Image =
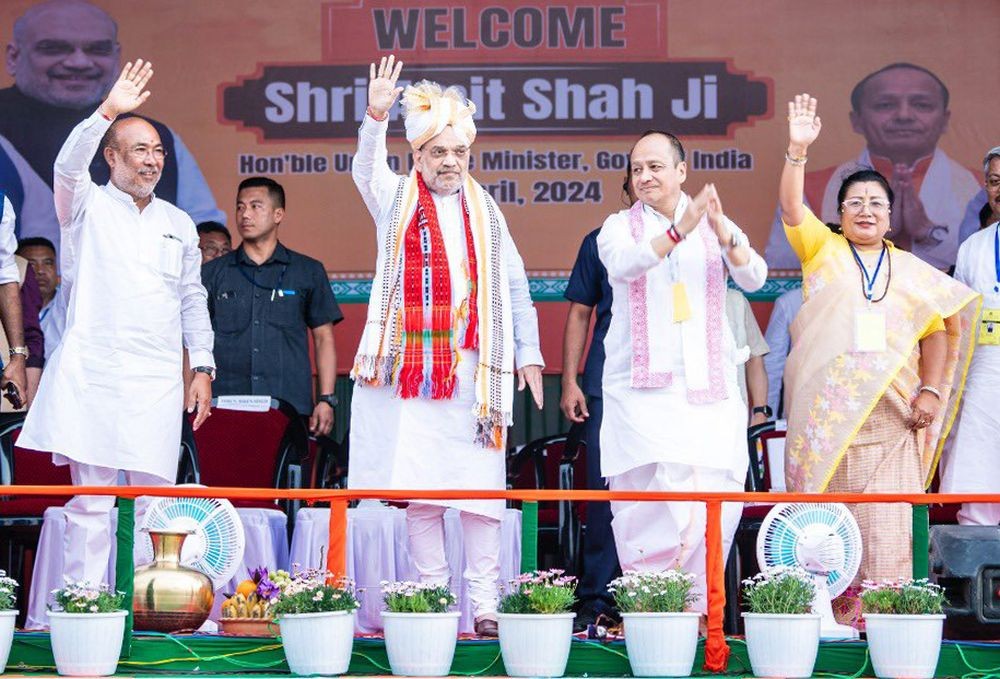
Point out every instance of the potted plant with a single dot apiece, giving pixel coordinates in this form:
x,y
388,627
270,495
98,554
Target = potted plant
x,y
86,625
316,617
248,612
535,623
420,630
8,612
661,634
782,633
903,621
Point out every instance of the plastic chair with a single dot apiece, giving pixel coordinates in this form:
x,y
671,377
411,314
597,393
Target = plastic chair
x,y
742,561
548,463
21,516
268,449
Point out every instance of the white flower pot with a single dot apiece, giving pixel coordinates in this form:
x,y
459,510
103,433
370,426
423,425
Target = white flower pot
x,y
86,644
6,636
904,645
535,645
782,645
318,643
661,644
420,644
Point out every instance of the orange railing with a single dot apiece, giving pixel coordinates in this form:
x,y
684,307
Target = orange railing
x,y
716,648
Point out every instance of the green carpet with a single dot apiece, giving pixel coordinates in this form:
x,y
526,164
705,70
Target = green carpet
x,y
205,655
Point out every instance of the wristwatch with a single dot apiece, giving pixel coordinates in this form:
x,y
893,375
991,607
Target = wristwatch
x,y
19,351
764,410
329,399
207,369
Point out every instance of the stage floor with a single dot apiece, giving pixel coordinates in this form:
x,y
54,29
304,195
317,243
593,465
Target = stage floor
x,y
211,655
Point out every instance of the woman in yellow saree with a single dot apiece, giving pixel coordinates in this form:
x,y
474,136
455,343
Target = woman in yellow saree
x,y
879,355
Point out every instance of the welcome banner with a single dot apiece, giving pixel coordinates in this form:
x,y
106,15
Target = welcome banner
x,y
253,87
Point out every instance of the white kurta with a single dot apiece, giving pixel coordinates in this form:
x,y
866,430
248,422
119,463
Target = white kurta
x,y
52,318
971,463
8,245
111,393
421,443
643,426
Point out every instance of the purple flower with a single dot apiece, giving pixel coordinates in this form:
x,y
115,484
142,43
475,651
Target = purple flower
x,y
259,574
267,589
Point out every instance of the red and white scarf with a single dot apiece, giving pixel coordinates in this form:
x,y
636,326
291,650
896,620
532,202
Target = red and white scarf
x,y
409,337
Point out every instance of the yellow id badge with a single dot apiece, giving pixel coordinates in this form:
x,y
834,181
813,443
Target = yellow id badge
x,y
869,330
682,309
989,327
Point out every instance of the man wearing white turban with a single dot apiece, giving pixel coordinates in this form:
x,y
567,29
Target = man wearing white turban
x,y
449,319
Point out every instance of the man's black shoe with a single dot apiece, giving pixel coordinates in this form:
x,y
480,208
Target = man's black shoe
x,y
591,613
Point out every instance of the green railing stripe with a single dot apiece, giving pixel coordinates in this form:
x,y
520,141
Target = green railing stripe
x,y
125,566
529,536
921,542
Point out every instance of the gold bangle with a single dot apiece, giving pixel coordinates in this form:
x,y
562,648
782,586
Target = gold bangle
x,y
795,160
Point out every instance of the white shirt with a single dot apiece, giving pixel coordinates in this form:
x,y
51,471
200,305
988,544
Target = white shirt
x,y
8,245
52,318
970,462
779,339
111,394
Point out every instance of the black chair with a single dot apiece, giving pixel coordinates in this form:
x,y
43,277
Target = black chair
x,y
742,561
21,516
548,462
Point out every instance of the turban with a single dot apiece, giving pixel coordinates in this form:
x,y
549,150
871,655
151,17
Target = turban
x,y
428,110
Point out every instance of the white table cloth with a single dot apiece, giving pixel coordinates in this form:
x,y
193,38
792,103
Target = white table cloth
x,y
377,551
266,545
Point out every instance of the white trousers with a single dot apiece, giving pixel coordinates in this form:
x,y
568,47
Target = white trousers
x,y
481,542
979,514
87,547
653,536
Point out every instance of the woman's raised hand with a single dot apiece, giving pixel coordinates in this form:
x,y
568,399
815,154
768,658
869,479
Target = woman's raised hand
x,y
382,90
803,123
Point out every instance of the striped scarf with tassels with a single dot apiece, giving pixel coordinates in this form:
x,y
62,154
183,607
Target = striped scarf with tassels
x,y
409,339
429,355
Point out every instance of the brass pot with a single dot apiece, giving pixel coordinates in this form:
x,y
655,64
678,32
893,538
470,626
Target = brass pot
x,y
168,596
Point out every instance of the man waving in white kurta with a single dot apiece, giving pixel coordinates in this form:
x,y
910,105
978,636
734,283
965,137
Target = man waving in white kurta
x,y
112,392
449,318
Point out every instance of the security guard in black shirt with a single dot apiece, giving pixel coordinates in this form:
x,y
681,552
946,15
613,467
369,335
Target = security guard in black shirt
x,y
264,299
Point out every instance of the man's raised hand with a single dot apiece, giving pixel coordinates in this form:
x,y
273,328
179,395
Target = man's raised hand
x,y
128,92
382,90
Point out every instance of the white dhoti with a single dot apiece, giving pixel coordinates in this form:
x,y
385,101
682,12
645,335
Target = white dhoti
x,y
970,462
652,536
